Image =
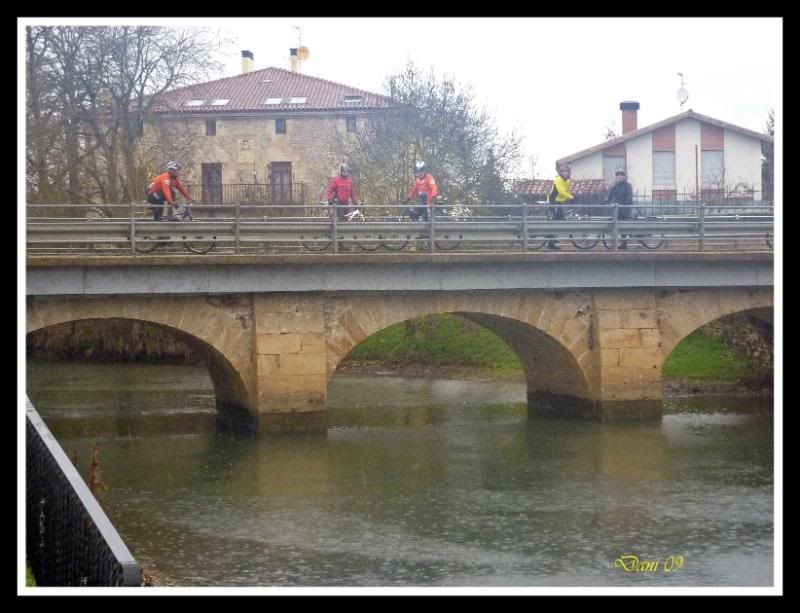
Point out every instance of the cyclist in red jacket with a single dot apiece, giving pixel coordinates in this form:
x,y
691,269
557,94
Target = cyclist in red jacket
x,y
425,189
341,189
161,192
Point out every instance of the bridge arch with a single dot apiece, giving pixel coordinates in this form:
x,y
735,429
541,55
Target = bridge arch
x,y
682,312
194,325
551,334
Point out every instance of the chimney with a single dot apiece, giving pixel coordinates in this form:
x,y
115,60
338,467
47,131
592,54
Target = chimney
x,y
294,60
247,61
629,116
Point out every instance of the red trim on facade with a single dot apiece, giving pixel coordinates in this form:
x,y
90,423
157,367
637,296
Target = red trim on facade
x,y
712,138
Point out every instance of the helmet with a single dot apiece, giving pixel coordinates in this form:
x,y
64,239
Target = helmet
x,y
620,171
420,167
343,169
173,166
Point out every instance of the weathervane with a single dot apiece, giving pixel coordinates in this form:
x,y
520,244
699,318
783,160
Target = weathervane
x,y
683,93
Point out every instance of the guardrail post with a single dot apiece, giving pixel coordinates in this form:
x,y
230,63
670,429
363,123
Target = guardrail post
x,y
432,226
615,226
236,228
525,227
335,232
133,229
702,226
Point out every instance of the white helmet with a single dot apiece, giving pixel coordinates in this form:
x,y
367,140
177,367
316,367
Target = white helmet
x,y
173,166
420,166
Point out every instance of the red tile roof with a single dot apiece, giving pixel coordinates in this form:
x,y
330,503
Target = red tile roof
x,y
248,92
690,114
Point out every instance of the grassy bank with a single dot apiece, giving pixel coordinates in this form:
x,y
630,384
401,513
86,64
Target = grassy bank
x,y
437,341
446,343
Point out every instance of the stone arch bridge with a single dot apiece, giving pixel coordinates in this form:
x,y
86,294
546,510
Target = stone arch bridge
x,y
591,335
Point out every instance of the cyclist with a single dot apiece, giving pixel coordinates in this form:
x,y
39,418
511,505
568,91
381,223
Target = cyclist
x,y
161,192
622,194
341,188
425,189
559,195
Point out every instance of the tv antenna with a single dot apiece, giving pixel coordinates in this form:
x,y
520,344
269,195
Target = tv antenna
x,y
682,94
302,52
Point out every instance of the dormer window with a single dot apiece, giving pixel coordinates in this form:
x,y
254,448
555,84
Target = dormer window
x,y
194,102
220,101
298,99
353,99
273,100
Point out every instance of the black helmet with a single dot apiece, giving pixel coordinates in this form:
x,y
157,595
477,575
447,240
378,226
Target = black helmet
x,y
420,167
620,171
343,169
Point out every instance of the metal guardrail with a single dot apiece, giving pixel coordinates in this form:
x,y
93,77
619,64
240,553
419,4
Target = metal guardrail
x,y
247,228
70,540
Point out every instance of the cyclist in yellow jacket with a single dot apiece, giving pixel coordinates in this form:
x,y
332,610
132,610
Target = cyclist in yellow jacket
x,y
559,195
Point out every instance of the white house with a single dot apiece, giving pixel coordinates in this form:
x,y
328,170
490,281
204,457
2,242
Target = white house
x,y
677,157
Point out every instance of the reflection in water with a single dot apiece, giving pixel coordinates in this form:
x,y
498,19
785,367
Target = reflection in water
x,y
417,483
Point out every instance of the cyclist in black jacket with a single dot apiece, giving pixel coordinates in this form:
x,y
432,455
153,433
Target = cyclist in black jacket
x,y
622,194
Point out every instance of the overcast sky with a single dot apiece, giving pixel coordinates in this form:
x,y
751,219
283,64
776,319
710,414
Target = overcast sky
x,y
559,82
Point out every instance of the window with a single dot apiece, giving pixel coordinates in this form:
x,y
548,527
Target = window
x,y
273,100
220,101
353,99
194,102
297,99
211,127
351,124
663,170
664,176
280,126
712,164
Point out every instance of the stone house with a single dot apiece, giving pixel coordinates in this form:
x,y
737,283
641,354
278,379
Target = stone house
x,y
674,159
265,136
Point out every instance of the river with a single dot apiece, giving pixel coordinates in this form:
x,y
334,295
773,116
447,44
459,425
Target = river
x,y
419,483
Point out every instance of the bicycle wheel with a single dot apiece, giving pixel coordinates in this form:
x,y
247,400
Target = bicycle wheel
x,y
536,242
149,246
318,241
448,241
652,241
396,241
584,241
368,241
199,245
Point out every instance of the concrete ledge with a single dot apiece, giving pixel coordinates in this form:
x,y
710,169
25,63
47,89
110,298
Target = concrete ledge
x,y
390,258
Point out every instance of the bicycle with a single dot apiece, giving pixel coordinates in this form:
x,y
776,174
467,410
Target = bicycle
x,y
648,241
195,244
444,241
322,239
583,241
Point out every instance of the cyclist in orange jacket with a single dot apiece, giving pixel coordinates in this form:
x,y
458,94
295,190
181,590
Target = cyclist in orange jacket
x,y
341,188
425,189
161,192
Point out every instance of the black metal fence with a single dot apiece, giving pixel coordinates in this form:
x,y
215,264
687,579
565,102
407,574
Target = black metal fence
x,y
250,193
70,540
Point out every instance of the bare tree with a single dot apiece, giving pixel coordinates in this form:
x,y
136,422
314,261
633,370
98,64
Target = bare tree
x,y
435,120
90,91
